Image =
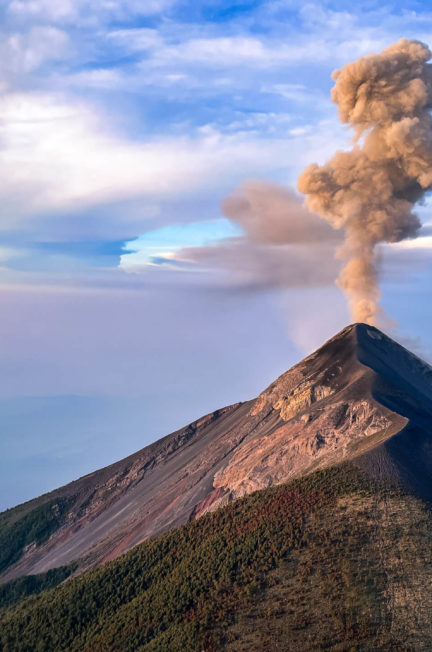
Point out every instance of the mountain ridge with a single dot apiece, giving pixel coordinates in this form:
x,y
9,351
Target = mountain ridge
x,y
361,396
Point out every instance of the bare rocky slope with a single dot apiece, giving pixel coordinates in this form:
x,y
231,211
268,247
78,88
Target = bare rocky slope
x,y
360,397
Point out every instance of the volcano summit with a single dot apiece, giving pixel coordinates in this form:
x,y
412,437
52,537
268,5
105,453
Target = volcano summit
x,y
298,520
361,398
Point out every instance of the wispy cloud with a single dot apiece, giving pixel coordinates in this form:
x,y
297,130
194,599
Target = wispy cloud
x,y
85,11
59,155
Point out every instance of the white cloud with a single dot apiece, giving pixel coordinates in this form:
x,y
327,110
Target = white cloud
x,y
201,52
23,52
98,78
235,50
220,50
424,242
137,38
68,11
47,9
58,155
327,40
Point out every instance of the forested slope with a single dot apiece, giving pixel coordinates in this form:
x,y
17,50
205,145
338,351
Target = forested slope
x,y
333,559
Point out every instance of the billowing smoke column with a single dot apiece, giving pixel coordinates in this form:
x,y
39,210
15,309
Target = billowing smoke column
x,y
370,191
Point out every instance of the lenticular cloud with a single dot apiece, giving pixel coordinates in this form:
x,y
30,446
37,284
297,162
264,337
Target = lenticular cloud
x,y
370,191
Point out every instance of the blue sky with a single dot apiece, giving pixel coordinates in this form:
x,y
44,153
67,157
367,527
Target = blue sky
x,y
123,125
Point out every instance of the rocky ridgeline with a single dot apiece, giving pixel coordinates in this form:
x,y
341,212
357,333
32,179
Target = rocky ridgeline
x,y
360,397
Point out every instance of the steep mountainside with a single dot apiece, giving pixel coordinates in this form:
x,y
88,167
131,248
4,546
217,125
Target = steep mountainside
x,y
333,561
361,397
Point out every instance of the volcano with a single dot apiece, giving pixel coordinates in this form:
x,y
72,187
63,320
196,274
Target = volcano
x,y
361,398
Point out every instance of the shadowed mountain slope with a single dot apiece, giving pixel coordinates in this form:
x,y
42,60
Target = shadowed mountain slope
x,y
360,397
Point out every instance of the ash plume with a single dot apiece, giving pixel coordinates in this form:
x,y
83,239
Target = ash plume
x,y
280,244
370,191
274,215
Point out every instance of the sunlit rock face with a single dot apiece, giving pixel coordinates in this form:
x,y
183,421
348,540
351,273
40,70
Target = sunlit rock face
x,y
327,409
360,397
